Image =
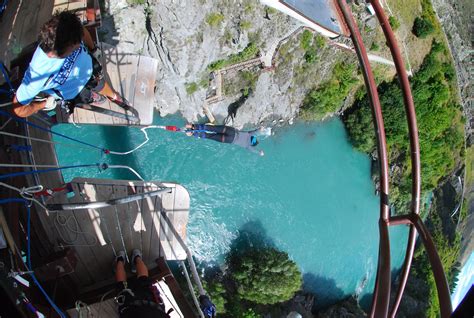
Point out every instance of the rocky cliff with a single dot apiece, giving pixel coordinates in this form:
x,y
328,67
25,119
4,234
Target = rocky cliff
x,y
187,36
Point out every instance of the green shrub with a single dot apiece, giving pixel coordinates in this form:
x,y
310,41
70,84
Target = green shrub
x,y
310,56
214,19
136,2
374,46
217,293
265,276
249,52
422,27
306,39
320,41
191,88
328,97
245,25
394,23
437,113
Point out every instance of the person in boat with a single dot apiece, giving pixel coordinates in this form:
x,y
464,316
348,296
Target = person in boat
x,y
225,134
141,298
64,67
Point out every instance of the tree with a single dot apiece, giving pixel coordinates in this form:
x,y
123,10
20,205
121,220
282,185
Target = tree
x,y
394,23
422,27
265,275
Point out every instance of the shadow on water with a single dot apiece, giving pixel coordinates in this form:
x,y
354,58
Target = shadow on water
x,y
251,235
119,139
325,289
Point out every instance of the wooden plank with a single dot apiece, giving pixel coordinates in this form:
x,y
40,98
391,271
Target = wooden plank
x,y
122,220
107,222
92,257
135,221
155,244
146,209
144,89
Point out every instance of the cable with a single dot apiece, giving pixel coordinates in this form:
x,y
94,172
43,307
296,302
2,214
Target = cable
x,y
126,167
42,140
23,173
6,104
27,193
143,130
23,121
28,253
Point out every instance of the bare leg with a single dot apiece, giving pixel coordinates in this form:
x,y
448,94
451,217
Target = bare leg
x,y
88,39
120,274
108,91
142,270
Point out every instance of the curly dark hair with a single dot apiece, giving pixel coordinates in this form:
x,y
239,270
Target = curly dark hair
x,y
60,32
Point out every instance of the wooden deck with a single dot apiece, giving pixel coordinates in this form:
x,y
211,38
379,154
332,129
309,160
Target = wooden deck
x,y
133,76
98,234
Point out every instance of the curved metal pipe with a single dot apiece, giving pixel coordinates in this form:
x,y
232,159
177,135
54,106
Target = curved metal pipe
x,y
103,204
436,266
414,145
380,301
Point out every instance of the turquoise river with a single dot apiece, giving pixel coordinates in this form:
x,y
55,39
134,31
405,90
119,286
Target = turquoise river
x,y
311,195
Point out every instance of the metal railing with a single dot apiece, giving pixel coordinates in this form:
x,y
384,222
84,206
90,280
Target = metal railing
x,y
381,296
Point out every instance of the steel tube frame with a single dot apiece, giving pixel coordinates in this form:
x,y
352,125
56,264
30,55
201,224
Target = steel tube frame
x,y
416,223
102,204
380,301
414,146
437,267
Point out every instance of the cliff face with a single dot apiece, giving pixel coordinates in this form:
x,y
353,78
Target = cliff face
x,y
455,17
186,36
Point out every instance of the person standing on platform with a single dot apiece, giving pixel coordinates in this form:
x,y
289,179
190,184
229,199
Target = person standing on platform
x,y
64,67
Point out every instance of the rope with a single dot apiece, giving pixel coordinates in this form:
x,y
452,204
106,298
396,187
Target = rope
x,y
6,104
127,167
42,140
143,130
27,193
5,124
28,254
75,230
81,307
6,77
23,121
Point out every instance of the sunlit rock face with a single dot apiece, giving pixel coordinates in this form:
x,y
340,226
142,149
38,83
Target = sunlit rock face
x,y
186,36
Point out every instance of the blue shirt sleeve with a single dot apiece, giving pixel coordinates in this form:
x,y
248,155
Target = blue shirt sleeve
x,y
31,85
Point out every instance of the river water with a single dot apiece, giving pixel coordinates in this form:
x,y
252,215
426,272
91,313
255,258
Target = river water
x,y
311,195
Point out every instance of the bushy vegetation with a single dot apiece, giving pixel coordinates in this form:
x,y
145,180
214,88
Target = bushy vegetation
x,y
437,115
248,53
328,97
422,27
191,88
306,40
374,46
265,276
311,44
245,25
257,277
136,2
214,19
427,24
394,23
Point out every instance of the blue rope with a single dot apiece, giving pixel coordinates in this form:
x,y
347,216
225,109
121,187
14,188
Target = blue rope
x,y
21,120
24,173
28,253
7,78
